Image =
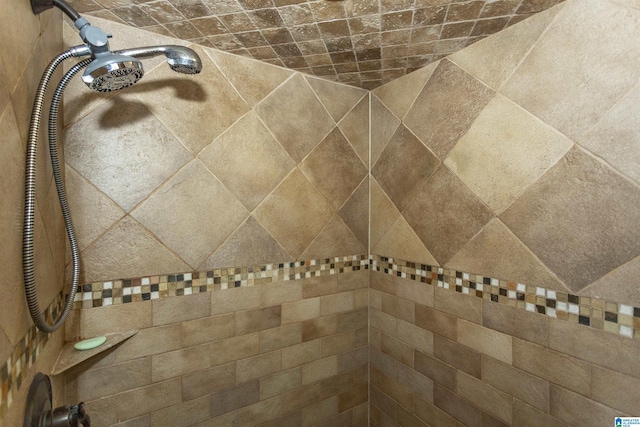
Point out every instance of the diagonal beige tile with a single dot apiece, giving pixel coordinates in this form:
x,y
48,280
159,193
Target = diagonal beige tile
x,y
5,346
296,117
592,66
22,42
180,100
581,219
400,241
186,228
334,168
398,95
355,212
618,285
337,98
518,147
616,137
446,214
447,106
128,250
124,151
383,126
254,80
250,244
355,126
93,213
248,160
504,257
404,167
493,59
294,213
383,212
334,240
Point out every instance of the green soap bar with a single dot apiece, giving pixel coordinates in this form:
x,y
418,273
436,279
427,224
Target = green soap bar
x,y
90,343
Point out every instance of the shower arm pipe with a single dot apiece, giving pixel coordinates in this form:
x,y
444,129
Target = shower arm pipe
x,y
30,199
39,6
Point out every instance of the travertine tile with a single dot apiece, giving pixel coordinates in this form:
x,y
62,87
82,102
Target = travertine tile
x,y
383,322
519,147
383,126
247,142
335,239
318,286
277,293
114,379
515,322
427,411
616,285
432,368
400,241
209,329
415,382
187,307
250,244
280,382
404,167
139,401
383,402
301,397
258,319
192,411
183,110
337,303
445,223
236,348
355,127
193,185
397,349
507,48
399,308
319,369
599,347
505,257
436,321
295,99
260,412
563,239
299,311
352,398
615,390
580,51
319,327
276,338
381,362
574,408
207,381
415,336
486,341
357,280
337,99
458,304
396,391
253,80
128,250
457,355
355,213
417,292
528,388
313,414
116,318
527,416
294,205
384,283
234,398
446,107
558,368
383,212
235,299
300,354
258,366
457,407
180,362
358,358
131,140
337,384
486,397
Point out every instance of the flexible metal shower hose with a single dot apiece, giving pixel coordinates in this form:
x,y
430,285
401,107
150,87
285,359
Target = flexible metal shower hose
x,y
30,190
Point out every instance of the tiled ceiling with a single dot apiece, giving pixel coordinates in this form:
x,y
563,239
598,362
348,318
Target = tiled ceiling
x,y
364,43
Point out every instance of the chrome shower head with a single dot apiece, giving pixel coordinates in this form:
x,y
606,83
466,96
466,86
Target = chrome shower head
x,y
112,72
181,59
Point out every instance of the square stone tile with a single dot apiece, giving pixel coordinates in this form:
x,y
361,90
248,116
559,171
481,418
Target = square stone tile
x,y
296,117
334,168
334,240
247,160
447,106
294,213
505,150
404,167
355,212
191,200
355,127
337,99
383,126
581,219
446,215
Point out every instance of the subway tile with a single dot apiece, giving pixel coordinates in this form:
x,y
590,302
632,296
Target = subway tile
x,y
318,412
180,362
150,341
278,293
398,350
395,390
353,397
284,336
528,388
235,299
435,370
110,380
383,402
457,407
351,320
257,320
458,304
208,329
258,366
302,310
234,398
318,286
486,341
319,327
599,347
576,409
300,398
236,348
336,384
186,413
457,355
139,401
558,368
188,307
319,369
259,413
527,416
414,381
436,321
516,322
383,322
399,308
116,318
208,381
616,390
280,382
415,336
336,344
353,359
406,418
427,411
337,303
300,354
417,292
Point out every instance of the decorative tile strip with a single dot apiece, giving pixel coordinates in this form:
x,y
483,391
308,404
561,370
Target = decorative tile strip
x,y
597,313
14,371
124,291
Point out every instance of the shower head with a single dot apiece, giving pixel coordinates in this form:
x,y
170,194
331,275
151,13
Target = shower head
x,y
181,59
112,72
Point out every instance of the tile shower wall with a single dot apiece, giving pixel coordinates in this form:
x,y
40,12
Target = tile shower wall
x,y
24,54
519,162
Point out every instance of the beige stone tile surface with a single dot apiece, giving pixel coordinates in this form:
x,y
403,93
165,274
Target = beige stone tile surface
x,y
436,370
383,212
139,401
258,366
455,406
616,285
336,239
516,322
207,329
235,299
175,364
235,348
355,212
278,383
400,241
457,355
173,310
527,416
486,397
337,99
383,126
208,381
460,305
574,408
436,321
355,127
486,341
116,318
191,411
615,390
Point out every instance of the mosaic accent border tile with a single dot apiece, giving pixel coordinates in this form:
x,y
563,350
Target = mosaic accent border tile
x,y
14,371
102,294
597,313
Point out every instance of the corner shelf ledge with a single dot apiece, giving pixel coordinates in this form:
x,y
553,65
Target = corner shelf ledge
x,y
70,357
